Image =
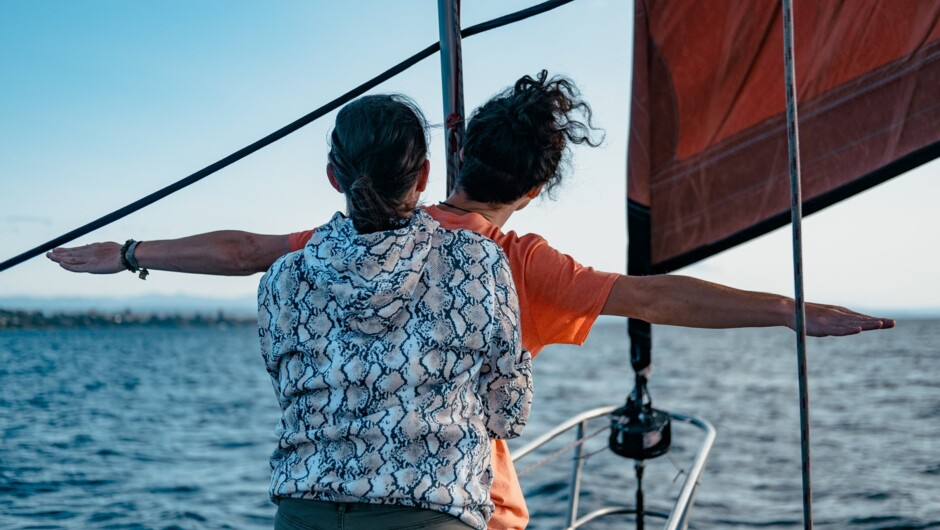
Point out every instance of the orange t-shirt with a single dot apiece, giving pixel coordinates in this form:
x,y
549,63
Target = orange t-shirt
x,y
559,300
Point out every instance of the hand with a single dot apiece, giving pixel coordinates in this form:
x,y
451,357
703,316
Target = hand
x,y
96,258
825,320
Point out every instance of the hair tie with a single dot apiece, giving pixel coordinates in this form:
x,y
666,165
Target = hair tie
x,y
504,175
361,180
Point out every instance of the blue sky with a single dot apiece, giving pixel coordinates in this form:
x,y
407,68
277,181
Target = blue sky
x,y
104,102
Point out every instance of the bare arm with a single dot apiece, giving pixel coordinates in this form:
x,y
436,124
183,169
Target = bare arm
x,y
685,301
223,253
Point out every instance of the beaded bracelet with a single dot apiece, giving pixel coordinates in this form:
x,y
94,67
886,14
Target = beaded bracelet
x,y
129,261
124,262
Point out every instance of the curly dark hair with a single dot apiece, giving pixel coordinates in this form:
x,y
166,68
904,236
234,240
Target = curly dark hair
x,y
519,139
377,149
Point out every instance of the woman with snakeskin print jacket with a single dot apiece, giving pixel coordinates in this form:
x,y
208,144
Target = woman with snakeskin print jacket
x,y
393,345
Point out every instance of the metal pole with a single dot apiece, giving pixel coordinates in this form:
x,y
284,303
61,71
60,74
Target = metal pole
x,y
638,466
452,78
796,212
575,489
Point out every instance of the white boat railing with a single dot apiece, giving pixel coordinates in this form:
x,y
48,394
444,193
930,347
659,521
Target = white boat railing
x,y
676,519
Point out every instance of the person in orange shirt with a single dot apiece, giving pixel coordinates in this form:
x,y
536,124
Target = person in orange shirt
x,y
514,149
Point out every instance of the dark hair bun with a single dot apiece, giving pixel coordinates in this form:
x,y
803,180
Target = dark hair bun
x,y
518,140
377,149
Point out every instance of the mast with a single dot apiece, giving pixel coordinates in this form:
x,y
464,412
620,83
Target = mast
x,y
641,432
452,80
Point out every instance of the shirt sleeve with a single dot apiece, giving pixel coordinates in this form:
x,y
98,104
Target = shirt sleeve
x,y
298,240
506,374
565,297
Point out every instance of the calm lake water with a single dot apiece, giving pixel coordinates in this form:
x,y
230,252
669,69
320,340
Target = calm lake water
x,y
171,428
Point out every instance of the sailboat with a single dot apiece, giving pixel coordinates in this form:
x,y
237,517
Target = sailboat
x,y
708,151
707,162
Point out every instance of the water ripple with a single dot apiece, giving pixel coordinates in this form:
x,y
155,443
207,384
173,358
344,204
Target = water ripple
x,y
156,428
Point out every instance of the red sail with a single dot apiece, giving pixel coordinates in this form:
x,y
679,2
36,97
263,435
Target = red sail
x,y
708,143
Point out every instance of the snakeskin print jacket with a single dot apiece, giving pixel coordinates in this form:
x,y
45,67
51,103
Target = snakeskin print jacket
x,y
395,356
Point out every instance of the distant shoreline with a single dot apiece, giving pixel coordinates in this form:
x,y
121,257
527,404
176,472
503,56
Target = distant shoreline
x,y
34,319
21,319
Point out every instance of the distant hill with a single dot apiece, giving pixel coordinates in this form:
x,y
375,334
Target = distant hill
x,y
180,305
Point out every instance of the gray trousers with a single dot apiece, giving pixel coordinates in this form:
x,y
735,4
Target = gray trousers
x,y
302,514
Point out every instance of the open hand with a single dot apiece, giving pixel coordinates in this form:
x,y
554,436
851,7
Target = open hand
x,y
828,320
96,258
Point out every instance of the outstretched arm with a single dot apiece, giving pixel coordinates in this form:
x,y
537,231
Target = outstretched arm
x,y
223,253
685,301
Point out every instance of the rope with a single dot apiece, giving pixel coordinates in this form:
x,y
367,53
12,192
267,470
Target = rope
x,y
679,470
796,214
565,449
276,135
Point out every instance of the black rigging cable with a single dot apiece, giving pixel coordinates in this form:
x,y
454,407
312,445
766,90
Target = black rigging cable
x,y
796,208
278,134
